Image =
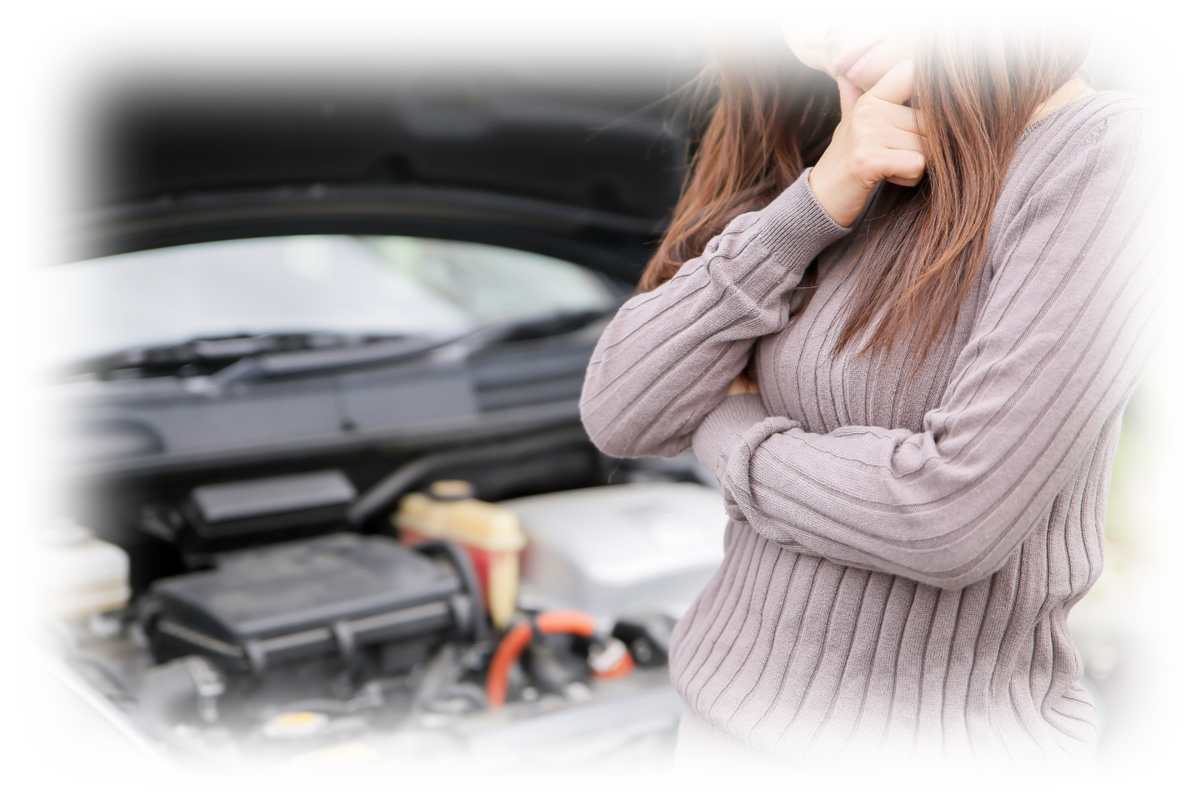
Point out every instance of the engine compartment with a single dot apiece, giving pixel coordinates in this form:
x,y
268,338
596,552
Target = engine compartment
x,y
270,615
343,595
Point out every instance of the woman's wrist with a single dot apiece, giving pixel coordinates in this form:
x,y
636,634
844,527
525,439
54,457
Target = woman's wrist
x,y
724,427
795,226
842,199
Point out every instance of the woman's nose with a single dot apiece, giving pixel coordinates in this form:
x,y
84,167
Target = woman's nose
x,y
819,25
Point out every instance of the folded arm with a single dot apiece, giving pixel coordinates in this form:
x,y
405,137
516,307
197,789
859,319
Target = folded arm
x,y
669,355
1063,336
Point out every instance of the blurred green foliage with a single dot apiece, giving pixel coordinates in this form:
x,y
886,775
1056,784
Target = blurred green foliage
x,y
1144,533
1147,420
1133,522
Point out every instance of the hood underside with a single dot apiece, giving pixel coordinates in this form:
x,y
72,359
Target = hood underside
x,y
582,169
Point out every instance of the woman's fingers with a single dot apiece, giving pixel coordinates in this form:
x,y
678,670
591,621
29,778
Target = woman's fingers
x,y
906,158
877,139
896,85
848,94
905,140
907,168
903,117
909,157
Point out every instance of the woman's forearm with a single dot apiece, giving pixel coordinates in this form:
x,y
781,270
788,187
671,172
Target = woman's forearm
x,y
669,355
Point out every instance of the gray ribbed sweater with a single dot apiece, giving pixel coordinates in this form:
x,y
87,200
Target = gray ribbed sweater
x,y
901,555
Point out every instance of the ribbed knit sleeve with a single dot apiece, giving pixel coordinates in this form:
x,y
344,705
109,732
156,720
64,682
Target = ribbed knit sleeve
x,y
669,355
1064,333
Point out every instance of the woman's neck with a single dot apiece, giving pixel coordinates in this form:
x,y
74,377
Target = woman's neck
x,y
1070,91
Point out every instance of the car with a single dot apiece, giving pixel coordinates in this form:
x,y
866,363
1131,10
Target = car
x,y
322,494
305,302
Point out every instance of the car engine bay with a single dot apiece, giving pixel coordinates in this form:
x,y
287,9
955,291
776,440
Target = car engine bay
x,y
442,612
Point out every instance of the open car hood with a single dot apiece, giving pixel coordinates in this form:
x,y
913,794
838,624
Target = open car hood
x,y
581,169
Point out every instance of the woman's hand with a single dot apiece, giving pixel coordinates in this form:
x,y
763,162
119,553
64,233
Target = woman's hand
x,y
877,140
742,385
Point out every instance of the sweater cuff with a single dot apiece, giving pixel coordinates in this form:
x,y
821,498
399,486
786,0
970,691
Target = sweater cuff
x,y
724,428
795,226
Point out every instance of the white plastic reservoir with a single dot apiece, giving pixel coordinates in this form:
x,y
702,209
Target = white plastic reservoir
x,y
618,550
72,572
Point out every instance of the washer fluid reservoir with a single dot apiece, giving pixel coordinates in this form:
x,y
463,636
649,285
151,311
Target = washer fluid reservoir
x,y
72,572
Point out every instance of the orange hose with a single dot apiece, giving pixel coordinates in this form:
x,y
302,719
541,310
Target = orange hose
x,y
518,638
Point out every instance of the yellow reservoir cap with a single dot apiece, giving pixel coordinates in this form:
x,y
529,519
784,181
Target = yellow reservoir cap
x,y
295,725
452,490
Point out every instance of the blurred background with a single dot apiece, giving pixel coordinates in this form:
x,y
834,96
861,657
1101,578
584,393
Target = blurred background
x,y
1131,626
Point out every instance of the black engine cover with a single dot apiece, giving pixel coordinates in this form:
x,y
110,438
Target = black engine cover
x,y
316,618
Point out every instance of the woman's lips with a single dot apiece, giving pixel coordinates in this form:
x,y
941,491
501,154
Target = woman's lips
x,y
856,61
863,62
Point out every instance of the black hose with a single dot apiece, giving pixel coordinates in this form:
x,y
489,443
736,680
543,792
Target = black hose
x,y
442,668
386,491
475,623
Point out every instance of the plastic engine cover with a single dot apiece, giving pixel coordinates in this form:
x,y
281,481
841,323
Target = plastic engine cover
x,y
323,596
624,549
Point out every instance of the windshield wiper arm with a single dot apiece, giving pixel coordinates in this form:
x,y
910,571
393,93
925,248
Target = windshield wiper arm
x,y
384,353
217,350
228,360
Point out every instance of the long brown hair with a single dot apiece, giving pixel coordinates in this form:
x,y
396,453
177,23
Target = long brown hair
x,y
977,87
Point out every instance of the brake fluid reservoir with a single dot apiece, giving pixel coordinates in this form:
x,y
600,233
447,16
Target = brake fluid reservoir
x,y
72,572
489,533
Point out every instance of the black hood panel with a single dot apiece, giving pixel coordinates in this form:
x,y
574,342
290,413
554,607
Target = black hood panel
x,y
136,108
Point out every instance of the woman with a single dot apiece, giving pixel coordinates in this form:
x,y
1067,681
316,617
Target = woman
x,y
900,308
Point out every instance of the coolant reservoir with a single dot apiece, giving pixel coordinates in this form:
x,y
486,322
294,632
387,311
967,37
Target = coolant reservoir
x,y
80,574
489,533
